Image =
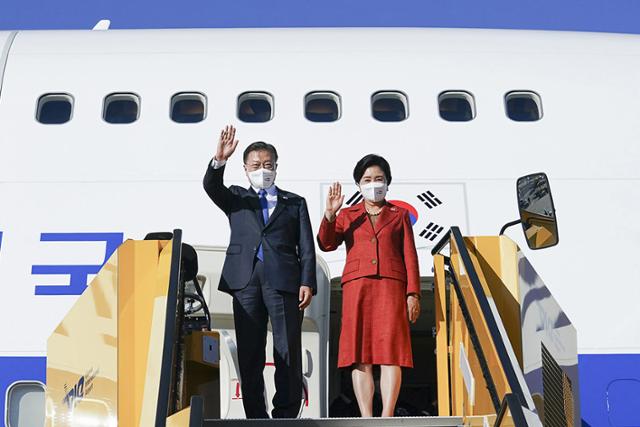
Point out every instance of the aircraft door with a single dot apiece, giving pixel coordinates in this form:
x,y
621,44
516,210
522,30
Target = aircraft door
x,y
315,331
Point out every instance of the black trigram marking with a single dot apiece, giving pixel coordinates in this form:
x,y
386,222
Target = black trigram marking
x,y
431,231
355,198
429,199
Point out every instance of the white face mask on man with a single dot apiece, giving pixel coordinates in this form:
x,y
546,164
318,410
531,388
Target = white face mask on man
x,y
374,191
262,178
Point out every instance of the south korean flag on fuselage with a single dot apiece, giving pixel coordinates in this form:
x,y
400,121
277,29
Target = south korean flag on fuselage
x,y
433,207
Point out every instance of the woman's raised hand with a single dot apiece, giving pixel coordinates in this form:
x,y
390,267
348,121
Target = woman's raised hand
x,y
335,198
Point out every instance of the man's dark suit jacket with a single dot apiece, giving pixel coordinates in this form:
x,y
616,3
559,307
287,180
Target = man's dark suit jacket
x,y
287,239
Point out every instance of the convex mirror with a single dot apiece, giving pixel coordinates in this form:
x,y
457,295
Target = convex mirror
x,y
537,213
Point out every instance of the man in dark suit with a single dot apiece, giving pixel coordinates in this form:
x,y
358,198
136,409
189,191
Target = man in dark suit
x,y
270,270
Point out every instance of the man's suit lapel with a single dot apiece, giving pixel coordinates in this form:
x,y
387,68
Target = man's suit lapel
x,y
255,205
282,199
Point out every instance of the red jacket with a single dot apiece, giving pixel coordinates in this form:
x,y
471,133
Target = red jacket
x,y
388,251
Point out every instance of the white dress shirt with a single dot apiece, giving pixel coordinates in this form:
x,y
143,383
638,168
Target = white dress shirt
x,y
272,192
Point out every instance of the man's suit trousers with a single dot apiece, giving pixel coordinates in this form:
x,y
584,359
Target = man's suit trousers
x,y
252,307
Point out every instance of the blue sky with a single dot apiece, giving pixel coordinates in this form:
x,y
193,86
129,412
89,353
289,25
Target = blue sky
x,y
622,16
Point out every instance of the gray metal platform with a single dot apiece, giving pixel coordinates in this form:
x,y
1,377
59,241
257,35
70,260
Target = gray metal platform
x,y
340,422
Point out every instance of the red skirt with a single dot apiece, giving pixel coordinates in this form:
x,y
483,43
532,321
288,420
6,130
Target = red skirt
x,y
375,327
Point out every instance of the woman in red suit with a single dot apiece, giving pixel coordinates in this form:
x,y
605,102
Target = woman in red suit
x,y
380,283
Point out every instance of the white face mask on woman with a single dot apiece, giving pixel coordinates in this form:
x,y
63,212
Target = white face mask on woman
x,y
374,191
262,178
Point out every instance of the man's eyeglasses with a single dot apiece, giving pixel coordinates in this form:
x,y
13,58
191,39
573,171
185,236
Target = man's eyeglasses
x,y
255,166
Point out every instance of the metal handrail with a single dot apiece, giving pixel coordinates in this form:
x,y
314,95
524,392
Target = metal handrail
x,y
441,243
475,342
512,403
167,374
476,285
196,411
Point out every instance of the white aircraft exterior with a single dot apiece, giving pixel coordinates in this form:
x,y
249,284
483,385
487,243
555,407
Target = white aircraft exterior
x,y
71,192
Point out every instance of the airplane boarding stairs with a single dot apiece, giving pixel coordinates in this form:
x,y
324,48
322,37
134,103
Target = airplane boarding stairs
x,y
140,364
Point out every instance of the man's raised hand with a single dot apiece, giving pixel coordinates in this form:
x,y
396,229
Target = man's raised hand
x,y
227,143
335,198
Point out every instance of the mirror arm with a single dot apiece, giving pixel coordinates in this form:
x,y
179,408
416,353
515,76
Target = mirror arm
x,y
509,224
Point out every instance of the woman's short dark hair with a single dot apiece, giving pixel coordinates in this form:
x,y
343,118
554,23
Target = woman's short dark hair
x,y
368,161
260,146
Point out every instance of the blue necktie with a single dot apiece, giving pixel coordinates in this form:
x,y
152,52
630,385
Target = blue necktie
x,y
265,217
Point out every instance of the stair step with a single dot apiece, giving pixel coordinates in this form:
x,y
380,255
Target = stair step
x,y
340,422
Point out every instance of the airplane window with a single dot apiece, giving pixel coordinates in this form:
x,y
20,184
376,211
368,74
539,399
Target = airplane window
x,y
25,404
322,106
188,107
389,106
121,108
54,108
255,107
523,106
457,106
